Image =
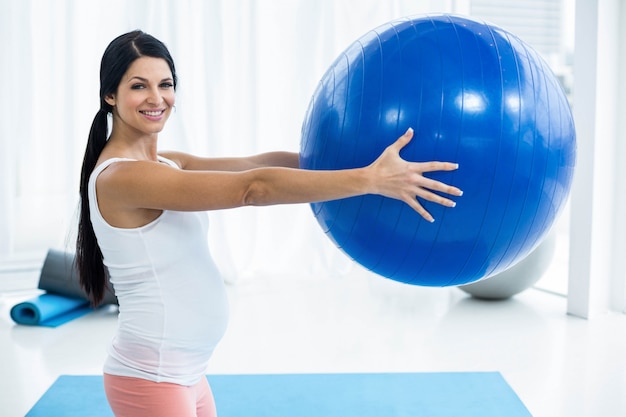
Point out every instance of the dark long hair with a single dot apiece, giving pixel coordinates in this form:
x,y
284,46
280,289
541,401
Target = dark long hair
x,y
117,58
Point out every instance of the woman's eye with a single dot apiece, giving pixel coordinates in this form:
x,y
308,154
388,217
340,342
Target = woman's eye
x,y
137,86
167,85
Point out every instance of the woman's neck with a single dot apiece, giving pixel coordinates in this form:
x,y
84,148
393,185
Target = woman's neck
x,y
140,147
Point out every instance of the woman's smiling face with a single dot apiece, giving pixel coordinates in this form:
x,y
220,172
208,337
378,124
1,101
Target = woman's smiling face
x,y
144,98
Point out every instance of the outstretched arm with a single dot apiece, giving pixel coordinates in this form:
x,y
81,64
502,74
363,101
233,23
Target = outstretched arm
x,y
389,175
154,186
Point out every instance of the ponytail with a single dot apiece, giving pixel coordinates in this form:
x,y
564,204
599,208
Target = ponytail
x,y
117,58
89,263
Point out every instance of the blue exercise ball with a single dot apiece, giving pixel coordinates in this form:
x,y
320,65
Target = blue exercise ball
x,y
474,94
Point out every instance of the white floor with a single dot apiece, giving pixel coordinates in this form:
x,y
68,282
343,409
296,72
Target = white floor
x,y
560,366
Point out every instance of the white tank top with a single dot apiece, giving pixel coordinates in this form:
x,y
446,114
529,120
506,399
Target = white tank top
x,y
173,308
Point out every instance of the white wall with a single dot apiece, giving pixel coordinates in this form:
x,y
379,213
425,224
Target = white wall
x,y
618,300
597,246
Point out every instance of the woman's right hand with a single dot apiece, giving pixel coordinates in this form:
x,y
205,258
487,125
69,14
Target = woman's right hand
x,y
397,178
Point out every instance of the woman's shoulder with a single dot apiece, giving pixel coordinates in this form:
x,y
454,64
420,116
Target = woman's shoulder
x,y
104,163
173,158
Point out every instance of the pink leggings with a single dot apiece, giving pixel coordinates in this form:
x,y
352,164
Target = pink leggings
x,y
135,397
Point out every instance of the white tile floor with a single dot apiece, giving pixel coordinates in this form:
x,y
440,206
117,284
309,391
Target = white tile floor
x,y
560,366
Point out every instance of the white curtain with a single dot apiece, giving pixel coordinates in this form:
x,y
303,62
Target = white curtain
x,y
247,70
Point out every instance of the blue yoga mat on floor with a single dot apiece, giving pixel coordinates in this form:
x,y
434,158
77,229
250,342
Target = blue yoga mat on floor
x,y
49,310
473,394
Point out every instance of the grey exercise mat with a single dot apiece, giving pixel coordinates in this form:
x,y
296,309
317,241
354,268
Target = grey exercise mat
x,y
60,276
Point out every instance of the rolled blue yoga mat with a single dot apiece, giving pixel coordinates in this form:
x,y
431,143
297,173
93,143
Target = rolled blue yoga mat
x,y
49,310
64,299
